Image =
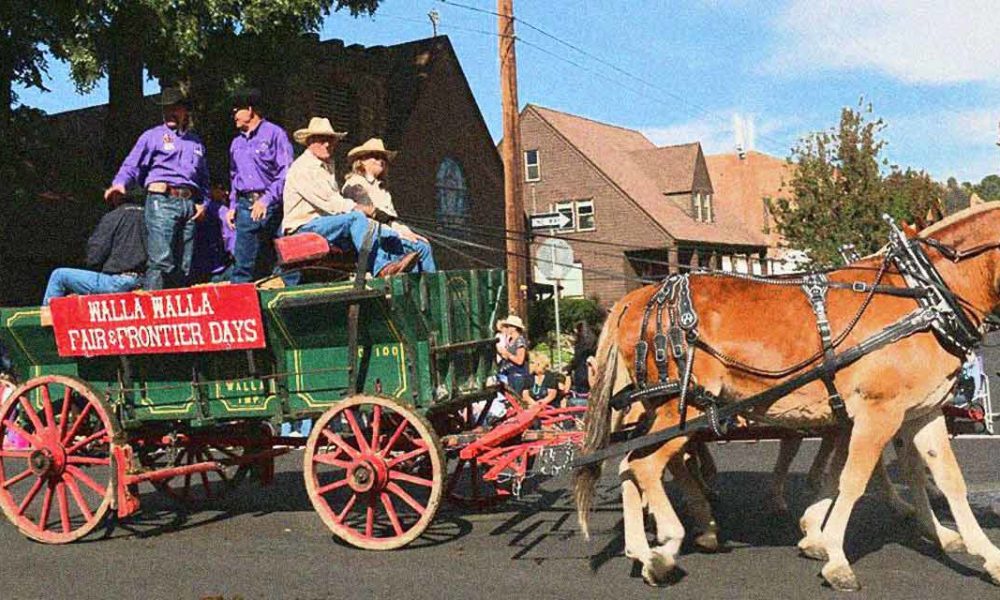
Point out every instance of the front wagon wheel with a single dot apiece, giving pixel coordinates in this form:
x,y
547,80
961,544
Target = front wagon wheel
x,y
56,471
374,471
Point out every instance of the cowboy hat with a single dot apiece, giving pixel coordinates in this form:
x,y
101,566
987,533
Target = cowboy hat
x,y
318,126
512,321
247,97
372,146
170,96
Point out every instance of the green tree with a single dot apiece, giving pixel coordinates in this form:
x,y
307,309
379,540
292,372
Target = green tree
x,y
989,188
841,187
117,39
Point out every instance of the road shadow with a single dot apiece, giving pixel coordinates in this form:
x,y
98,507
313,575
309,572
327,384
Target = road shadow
x,y
160,514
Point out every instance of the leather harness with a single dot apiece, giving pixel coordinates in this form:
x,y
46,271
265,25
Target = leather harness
x,y
939,310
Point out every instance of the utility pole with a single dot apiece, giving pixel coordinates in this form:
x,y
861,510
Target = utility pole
x,y
517,248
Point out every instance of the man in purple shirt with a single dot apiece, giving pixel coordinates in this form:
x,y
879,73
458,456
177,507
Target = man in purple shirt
x,y
259,157
169,162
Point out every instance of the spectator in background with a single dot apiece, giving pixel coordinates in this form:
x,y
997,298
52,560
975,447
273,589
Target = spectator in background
x,y
543,385
583,348
513,354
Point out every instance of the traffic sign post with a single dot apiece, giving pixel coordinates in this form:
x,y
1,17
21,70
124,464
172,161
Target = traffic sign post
x,y
554,259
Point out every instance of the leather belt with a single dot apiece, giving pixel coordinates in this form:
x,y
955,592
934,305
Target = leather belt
x,y
253,196
182,192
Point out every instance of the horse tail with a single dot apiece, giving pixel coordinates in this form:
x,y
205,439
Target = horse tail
x,y
597,424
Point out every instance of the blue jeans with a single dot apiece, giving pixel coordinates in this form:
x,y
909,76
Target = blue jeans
x,y
254,241
169,240
64,282
303,426
392,247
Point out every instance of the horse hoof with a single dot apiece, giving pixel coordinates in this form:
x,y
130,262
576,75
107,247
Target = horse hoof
x,y
952,542
707,542
659,571
993,569
812,548
841,578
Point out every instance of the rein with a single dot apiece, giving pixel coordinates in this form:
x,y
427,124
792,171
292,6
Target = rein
x,y
940,310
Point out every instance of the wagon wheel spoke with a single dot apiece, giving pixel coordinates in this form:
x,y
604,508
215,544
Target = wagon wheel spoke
x,y
336,485
19,477
80,418
34,441
50,419
395,437
85,479
340,443
327,459
356,430
398,476
370,517
421,449
405,497
376,424
15,454
87,460
87,440
347,508
64,411
43,517
30,496
63,506
32,415
390,510
81,502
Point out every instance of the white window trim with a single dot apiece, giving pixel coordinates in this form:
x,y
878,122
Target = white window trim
x,y
537,163
593,214
566,204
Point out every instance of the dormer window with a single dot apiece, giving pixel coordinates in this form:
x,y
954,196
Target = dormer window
x,y
702,211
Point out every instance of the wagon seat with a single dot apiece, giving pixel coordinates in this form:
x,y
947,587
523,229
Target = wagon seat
x,y
311,250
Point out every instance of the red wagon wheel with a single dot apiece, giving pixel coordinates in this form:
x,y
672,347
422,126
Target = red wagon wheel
x,y
55,466
374,471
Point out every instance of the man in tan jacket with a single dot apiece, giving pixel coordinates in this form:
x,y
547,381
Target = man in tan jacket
x,y
312,200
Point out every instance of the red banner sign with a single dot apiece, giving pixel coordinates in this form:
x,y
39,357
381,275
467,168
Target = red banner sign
x,y
200,319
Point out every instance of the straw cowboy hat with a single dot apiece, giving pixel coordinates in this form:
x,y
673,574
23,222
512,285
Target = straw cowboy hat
x,y
372,146
512,321
317,126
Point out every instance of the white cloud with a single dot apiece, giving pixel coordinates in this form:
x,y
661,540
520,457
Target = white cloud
x,y
946,143
719,131
914,41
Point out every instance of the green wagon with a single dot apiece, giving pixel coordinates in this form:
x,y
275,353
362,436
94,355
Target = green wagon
x,y
183,389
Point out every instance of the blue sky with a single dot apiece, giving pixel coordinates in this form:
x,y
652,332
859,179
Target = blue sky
x,y
700,70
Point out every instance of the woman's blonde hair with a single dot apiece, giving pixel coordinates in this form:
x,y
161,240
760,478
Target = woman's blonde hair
x,y
358,167
541,359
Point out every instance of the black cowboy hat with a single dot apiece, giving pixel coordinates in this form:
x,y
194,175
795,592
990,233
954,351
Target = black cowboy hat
x,y
172,95
246,97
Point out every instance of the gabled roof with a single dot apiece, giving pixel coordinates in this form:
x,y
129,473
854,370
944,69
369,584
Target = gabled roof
x,y
741,184
673,167
635,165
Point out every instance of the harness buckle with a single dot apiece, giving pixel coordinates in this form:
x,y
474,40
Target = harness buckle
x,y
860,286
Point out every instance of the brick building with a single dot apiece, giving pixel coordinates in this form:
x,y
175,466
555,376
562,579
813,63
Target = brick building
x,y
413,95
637,210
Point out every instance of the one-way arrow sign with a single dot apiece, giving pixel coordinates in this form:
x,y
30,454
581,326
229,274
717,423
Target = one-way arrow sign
x,y
552,220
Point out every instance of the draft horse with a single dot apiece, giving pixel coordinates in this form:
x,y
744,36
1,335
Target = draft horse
x,y
876,349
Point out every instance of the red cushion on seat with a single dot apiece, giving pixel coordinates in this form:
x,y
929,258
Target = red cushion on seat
x,y
301,247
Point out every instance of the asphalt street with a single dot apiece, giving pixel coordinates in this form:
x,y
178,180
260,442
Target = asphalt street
x,y
263,543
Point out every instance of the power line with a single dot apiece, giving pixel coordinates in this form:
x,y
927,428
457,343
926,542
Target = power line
x,y
699,110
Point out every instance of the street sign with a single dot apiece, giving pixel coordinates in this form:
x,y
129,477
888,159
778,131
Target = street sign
x,y
554,258
552,220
